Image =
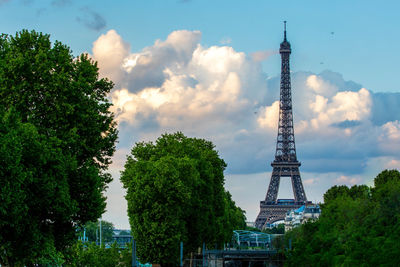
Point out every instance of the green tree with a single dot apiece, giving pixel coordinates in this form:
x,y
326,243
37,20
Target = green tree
x,y
175,193
123,232
335,191
93,231
62,99
91,255
234,219
279,229
26,155
385,177
358,226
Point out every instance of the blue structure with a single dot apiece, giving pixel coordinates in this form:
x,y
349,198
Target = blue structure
x,y
285,202
247,248
252,239
301,209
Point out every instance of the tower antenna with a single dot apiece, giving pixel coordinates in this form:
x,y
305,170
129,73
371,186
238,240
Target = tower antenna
x,y
284,26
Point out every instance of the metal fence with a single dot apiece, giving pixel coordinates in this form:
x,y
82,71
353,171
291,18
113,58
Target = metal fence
x,y
232,263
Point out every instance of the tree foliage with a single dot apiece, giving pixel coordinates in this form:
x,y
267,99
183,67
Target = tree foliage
x,y
278,229
358,226
92,231
57,140
91,255
123,232
24,156
175,192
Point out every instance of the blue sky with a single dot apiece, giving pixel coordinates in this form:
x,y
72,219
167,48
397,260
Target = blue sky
x,y
211,69
362,47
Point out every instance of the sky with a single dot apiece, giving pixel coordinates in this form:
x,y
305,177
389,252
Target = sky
x,y
211,70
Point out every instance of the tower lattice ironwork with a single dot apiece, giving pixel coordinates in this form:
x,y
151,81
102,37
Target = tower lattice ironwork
x,y
285,163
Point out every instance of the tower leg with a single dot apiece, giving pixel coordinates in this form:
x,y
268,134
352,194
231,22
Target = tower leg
x,y
298,189
273,187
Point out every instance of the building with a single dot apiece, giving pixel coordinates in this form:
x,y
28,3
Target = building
x,y
122,237
301,215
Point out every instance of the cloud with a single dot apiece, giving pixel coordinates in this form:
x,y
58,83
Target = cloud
x,y
177,82
3,1
269,116
392,130
385,107
343,106
110,51
347,124
91,19
348,180
393,164
389,138
148,68
260,56
221,94
310,181
343,132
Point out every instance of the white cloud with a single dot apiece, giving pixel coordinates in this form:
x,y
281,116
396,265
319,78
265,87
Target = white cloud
x,y
223,95
110,51
310,181
392,130
216,92
343,106
260,56
269,116
343,179
320,86
389,138
198,86
392,164
319,105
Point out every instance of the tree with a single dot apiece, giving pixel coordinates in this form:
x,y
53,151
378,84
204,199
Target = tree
x,y
93,231
234,219
335,191
63,101
358,226
175,193
89,254
279,229
385,177
24,156
123,232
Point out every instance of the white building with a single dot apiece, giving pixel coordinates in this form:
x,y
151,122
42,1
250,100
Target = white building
x,y
301,215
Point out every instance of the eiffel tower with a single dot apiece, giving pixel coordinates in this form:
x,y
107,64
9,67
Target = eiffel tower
x,y
285,163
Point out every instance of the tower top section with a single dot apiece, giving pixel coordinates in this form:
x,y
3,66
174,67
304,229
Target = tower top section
x,y
285,45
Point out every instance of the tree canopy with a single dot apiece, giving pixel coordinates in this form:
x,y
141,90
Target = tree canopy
x,y
358,226
92,255
175,192
58,137
92,231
